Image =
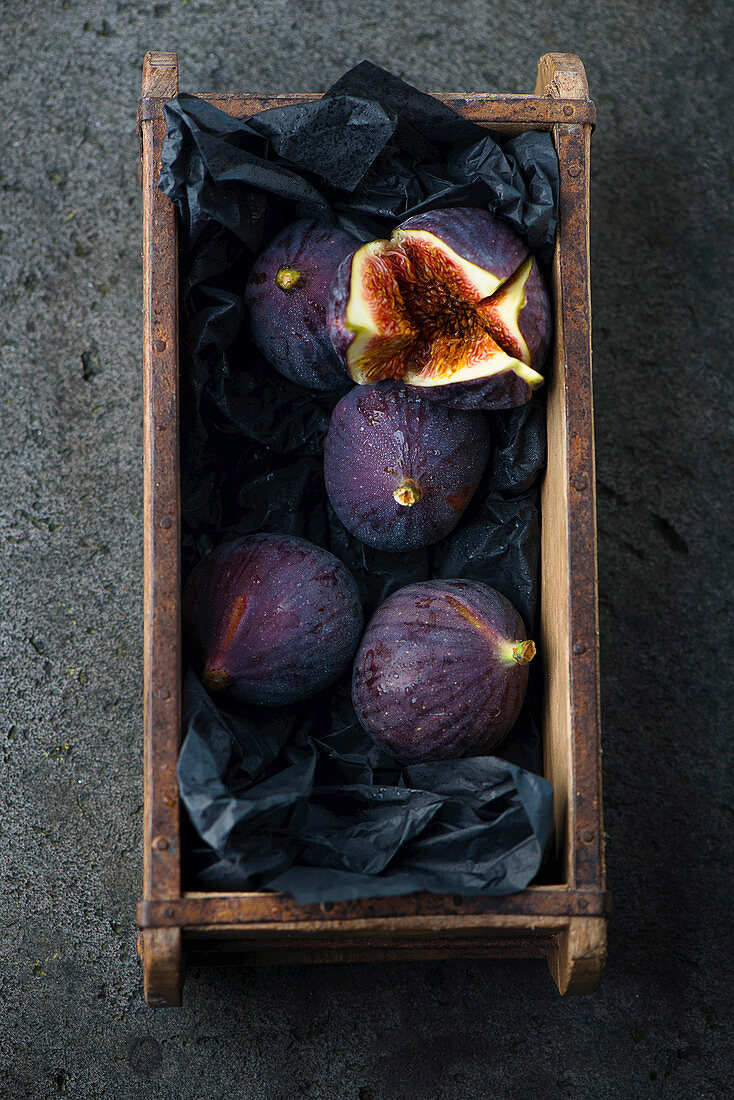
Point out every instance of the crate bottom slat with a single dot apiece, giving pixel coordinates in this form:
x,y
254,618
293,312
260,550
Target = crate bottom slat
x,y
574,949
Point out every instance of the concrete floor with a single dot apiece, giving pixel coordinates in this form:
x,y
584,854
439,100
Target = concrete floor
x,y
73,1018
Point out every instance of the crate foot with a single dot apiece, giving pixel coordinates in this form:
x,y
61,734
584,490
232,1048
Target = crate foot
x,y
577,958
160,74
163,966
561,76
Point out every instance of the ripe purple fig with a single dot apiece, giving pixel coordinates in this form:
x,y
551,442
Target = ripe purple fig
x,y
400,470
287,294
453,302
272,618
442,671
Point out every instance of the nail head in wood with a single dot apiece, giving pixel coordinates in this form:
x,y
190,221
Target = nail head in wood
x,y
160,844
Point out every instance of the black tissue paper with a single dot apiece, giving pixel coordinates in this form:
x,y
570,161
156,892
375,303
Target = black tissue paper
x,y
299,799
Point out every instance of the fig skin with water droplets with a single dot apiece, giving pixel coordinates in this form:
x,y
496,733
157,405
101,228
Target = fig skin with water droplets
x,y
271,618
287,294
399,469
442,671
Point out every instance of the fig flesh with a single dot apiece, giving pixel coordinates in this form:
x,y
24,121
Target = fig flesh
x,y
453,302
399,469
442,671
272,618
287,294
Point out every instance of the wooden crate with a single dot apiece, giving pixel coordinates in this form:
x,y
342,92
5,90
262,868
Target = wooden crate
x,y
565,922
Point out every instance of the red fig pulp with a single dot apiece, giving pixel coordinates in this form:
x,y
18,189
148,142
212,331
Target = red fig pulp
x,y
453,303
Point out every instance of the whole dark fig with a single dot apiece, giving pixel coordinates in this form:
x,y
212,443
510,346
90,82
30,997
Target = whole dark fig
x,y
273,618
442,671
287,293
453,302
400,470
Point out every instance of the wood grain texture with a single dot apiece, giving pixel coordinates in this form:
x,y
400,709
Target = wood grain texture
x,y
578,955
160,74
506,114
573,146
553,618
161,523
163,966
562,76
161,545
271,927
265,908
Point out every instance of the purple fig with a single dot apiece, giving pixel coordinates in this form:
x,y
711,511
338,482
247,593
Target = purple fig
x,y
453,302
400,470
287,293
273,618
442,671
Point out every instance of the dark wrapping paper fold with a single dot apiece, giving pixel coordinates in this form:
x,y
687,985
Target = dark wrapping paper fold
x,y
295,801
298,799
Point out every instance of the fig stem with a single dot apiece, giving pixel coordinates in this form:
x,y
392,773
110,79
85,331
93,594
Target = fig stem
x,y
215,679
523,652
287,277
408,493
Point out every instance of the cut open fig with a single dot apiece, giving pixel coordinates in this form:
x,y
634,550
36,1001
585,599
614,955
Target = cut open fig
x,y
453,302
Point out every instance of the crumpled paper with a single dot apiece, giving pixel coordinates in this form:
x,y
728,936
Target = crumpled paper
x,y
294,800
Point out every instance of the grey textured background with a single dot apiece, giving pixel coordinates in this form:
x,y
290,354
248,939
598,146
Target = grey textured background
x,y
73,1022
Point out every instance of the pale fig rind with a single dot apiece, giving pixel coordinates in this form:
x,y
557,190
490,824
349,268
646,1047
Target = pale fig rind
x,y
272,618
287,294
441,671
400,470
453,303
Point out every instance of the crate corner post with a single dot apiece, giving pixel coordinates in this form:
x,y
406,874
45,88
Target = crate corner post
x,y
578,955
160,74
163,966
561,76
